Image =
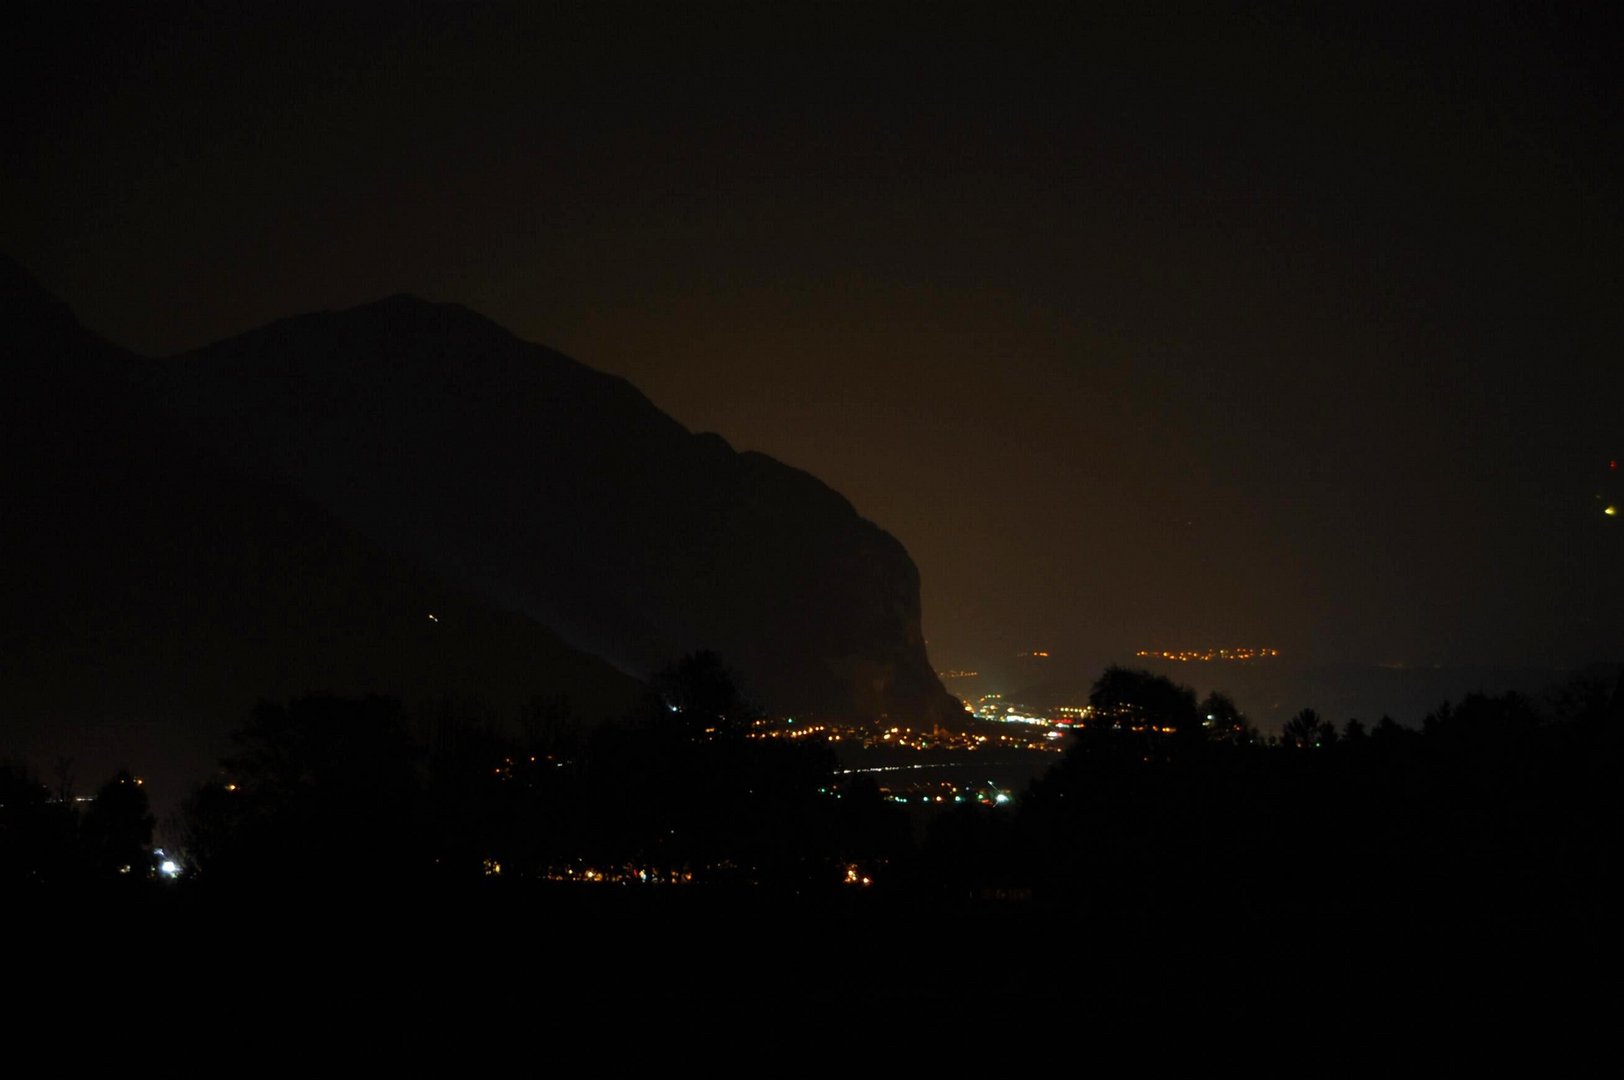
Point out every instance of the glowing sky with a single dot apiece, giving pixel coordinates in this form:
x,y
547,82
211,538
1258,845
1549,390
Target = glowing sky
x,y
1257,329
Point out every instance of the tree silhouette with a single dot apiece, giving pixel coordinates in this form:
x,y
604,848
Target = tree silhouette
x,y
36,831
1223,722
1306,731
702,695
116,833
1143,700
324,786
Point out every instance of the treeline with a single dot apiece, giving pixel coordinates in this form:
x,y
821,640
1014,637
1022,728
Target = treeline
x,y
1165,810
334,789
1177,810
47,835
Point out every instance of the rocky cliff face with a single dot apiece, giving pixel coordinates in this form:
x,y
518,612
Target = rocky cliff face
x,y
564,494
281,513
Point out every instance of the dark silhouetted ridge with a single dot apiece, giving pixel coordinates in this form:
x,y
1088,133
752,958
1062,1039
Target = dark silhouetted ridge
x,y
156,589
281,512
564,493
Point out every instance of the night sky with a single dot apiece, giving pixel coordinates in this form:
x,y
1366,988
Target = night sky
x,y
1256,329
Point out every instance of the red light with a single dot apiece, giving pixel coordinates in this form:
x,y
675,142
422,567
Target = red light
x,y
1613,465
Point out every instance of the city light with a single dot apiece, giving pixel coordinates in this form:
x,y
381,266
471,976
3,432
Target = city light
x,y
1207,655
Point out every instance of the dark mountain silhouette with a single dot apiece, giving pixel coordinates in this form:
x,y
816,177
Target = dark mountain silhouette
x,y
154,590
282,512
563,493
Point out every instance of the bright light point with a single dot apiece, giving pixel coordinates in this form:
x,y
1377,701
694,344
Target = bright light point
x,y
434,618
1611,511
1001,798
169,868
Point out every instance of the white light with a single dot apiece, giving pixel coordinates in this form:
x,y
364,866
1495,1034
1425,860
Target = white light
x,y
169,868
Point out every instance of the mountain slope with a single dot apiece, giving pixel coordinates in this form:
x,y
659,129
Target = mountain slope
x,y
563,493
154,590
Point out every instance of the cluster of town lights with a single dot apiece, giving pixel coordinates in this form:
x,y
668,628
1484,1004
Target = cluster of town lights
x,y
1206,655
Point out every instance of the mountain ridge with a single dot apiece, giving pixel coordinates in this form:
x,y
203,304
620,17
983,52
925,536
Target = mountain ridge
x,y
280,512
425,419
155,591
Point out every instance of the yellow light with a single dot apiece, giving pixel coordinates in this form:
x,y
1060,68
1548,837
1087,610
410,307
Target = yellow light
x,y
1611,511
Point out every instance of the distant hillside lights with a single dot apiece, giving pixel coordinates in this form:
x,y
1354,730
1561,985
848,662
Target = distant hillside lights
x,y
1207,655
